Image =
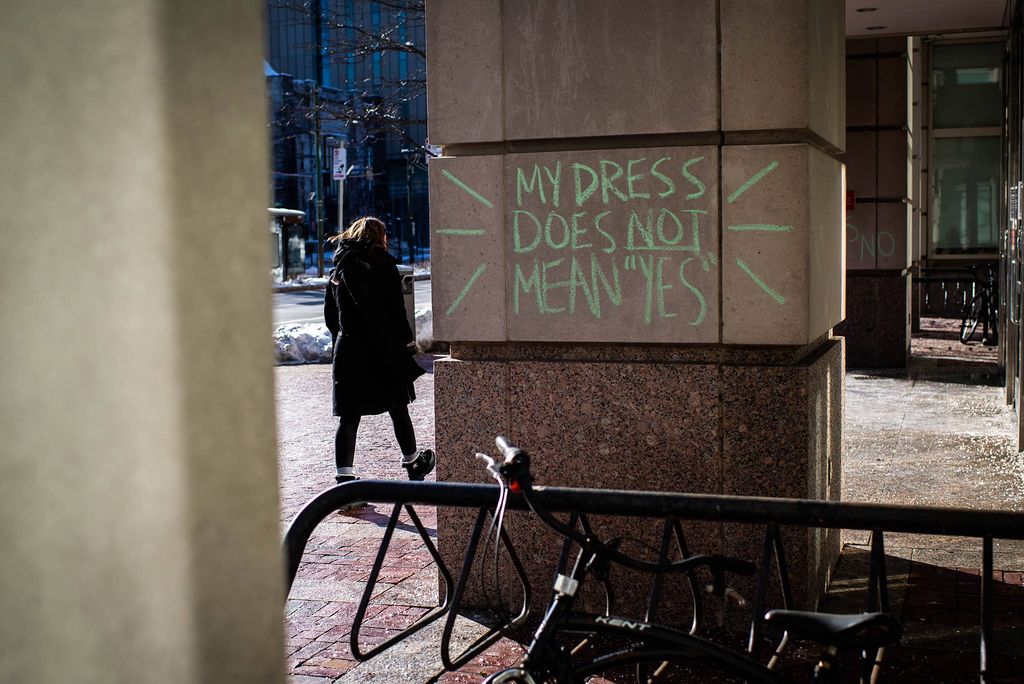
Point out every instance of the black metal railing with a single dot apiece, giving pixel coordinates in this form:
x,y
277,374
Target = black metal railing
x,y
772,513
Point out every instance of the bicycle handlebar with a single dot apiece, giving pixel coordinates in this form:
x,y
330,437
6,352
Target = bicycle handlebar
x,y
505,447
515,471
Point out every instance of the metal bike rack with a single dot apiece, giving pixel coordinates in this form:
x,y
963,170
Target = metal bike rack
x,y
673,508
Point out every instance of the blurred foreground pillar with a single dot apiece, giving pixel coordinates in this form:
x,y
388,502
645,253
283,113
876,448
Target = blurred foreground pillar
x,y
140,535
637,235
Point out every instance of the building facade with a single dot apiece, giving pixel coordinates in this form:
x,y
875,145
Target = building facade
x,y
925,183
352,73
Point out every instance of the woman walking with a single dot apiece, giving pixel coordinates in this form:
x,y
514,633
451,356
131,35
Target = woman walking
x,y
374,368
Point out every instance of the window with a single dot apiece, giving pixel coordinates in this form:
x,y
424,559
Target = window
x,y
965,195
375,20
966,124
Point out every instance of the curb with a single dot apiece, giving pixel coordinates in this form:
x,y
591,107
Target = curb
x,y
310,288
299,288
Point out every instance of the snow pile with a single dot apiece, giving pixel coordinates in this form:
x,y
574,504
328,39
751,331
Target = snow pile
x,y
296,343
302,281
424,328
302,343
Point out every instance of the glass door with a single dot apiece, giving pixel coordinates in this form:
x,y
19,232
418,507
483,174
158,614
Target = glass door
x,y
1012,235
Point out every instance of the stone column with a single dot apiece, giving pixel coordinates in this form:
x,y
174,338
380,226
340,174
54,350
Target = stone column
x,y
141,534
919,180
637,251
879,80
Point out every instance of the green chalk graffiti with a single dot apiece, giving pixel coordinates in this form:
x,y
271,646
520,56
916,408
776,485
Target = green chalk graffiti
x,y
696,293
465,290
461,231
700,187
779,299
753,181
472,193
764,227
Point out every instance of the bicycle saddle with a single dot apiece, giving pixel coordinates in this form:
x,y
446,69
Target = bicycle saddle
x,y
858,631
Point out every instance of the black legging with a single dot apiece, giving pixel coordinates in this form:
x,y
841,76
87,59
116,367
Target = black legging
x,y
345,438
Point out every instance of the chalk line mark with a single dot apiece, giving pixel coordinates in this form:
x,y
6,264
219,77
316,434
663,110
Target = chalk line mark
x,y
753,180
763,227
461,231
779,299
472,193
462,295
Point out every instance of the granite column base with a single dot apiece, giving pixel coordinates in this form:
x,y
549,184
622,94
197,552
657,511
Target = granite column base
x,y
877,325
719,420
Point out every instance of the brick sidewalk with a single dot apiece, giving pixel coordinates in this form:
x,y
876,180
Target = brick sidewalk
x,y
942,431
338,557
337,561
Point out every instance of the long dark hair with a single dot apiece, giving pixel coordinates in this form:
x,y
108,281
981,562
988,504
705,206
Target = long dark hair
x,y
368,230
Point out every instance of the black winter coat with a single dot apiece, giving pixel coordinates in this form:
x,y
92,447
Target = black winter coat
x,y
365,311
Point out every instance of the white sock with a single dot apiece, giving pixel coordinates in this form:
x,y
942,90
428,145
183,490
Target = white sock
x,y
347,470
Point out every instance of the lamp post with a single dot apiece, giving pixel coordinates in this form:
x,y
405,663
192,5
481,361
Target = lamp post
x,y
410,161
339,170
318,183
318,187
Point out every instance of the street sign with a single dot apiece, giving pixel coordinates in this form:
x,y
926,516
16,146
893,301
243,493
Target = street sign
x,y
340,163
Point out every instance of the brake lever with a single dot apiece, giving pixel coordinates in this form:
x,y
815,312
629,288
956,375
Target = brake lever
x,y
727,594
492,466
724,594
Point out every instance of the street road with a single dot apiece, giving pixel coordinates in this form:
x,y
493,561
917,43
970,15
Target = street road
x,y
308,306
298,307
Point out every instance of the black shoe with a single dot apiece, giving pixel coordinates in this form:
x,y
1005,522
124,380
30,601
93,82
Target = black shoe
x,y
420,464
342,479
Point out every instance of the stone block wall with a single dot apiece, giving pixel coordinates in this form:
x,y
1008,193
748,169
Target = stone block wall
x,y
877,329
638,231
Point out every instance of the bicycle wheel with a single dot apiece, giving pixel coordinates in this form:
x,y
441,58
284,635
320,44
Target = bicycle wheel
x,y
513,675
686,659
665,664
972,314
661,667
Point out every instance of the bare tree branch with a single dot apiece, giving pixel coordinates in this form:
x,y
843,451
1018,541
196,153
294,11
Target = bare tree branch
x,y
376,104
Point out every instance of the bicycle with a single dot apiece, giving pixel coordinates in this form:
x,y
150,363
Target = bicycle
x,y
653,647
980,308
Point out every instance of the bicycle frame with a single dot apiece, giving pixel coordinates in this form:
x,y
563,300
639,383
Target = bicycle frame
x,y
980,306
545,659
